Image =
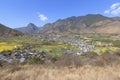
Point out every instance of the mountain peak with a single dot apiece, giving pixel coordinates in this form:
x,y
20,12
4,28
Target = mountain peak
x,y
29,29
31,25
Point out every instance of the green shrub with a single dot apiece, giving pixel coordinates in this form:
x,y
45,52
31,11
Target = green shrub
x,y
36,60
55,52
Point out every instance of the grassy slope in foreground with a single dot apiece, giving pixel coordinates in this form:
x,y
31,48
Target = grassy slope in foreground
x,y
37,72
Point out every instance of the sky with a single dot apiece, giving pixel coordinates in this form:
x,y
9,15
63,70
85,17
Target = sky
x,y
18,13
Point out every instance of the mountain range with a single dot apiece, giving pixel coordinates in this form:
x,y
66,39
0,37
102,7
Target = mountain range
x,y
91,23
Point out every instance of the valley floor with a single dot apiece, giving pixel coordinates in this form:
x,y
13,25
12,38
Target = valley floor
x,y
37,58
38,72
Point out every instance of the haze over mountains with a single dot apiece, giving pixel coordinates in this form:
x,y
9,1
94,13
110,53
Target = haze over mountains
x,y
91,23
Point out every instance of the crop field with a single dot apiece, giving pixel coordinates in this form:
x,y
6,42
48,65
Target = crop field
x,y
55,48
102,44
5,46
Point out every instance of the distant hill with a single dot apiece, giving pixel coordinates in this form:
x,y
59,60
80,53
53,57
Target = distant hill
x,y
29,29
91,23
6,31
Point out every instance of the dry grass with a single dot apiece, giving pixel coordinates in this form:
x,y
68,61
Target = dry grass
x,y
67,67
38,72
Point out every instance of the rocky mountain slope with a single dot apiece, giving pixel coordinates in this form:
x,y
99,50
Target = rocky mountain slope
x,y
91,23
29,29
6,31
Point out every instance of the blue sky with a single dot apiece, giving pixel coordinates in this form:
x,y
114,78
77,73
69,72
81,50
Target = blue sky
x,y
18,13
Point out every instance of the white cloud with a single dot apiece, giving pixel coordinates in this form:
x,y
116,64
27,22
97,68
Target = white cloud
x,y
106,11
114,9
115,5
42,17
